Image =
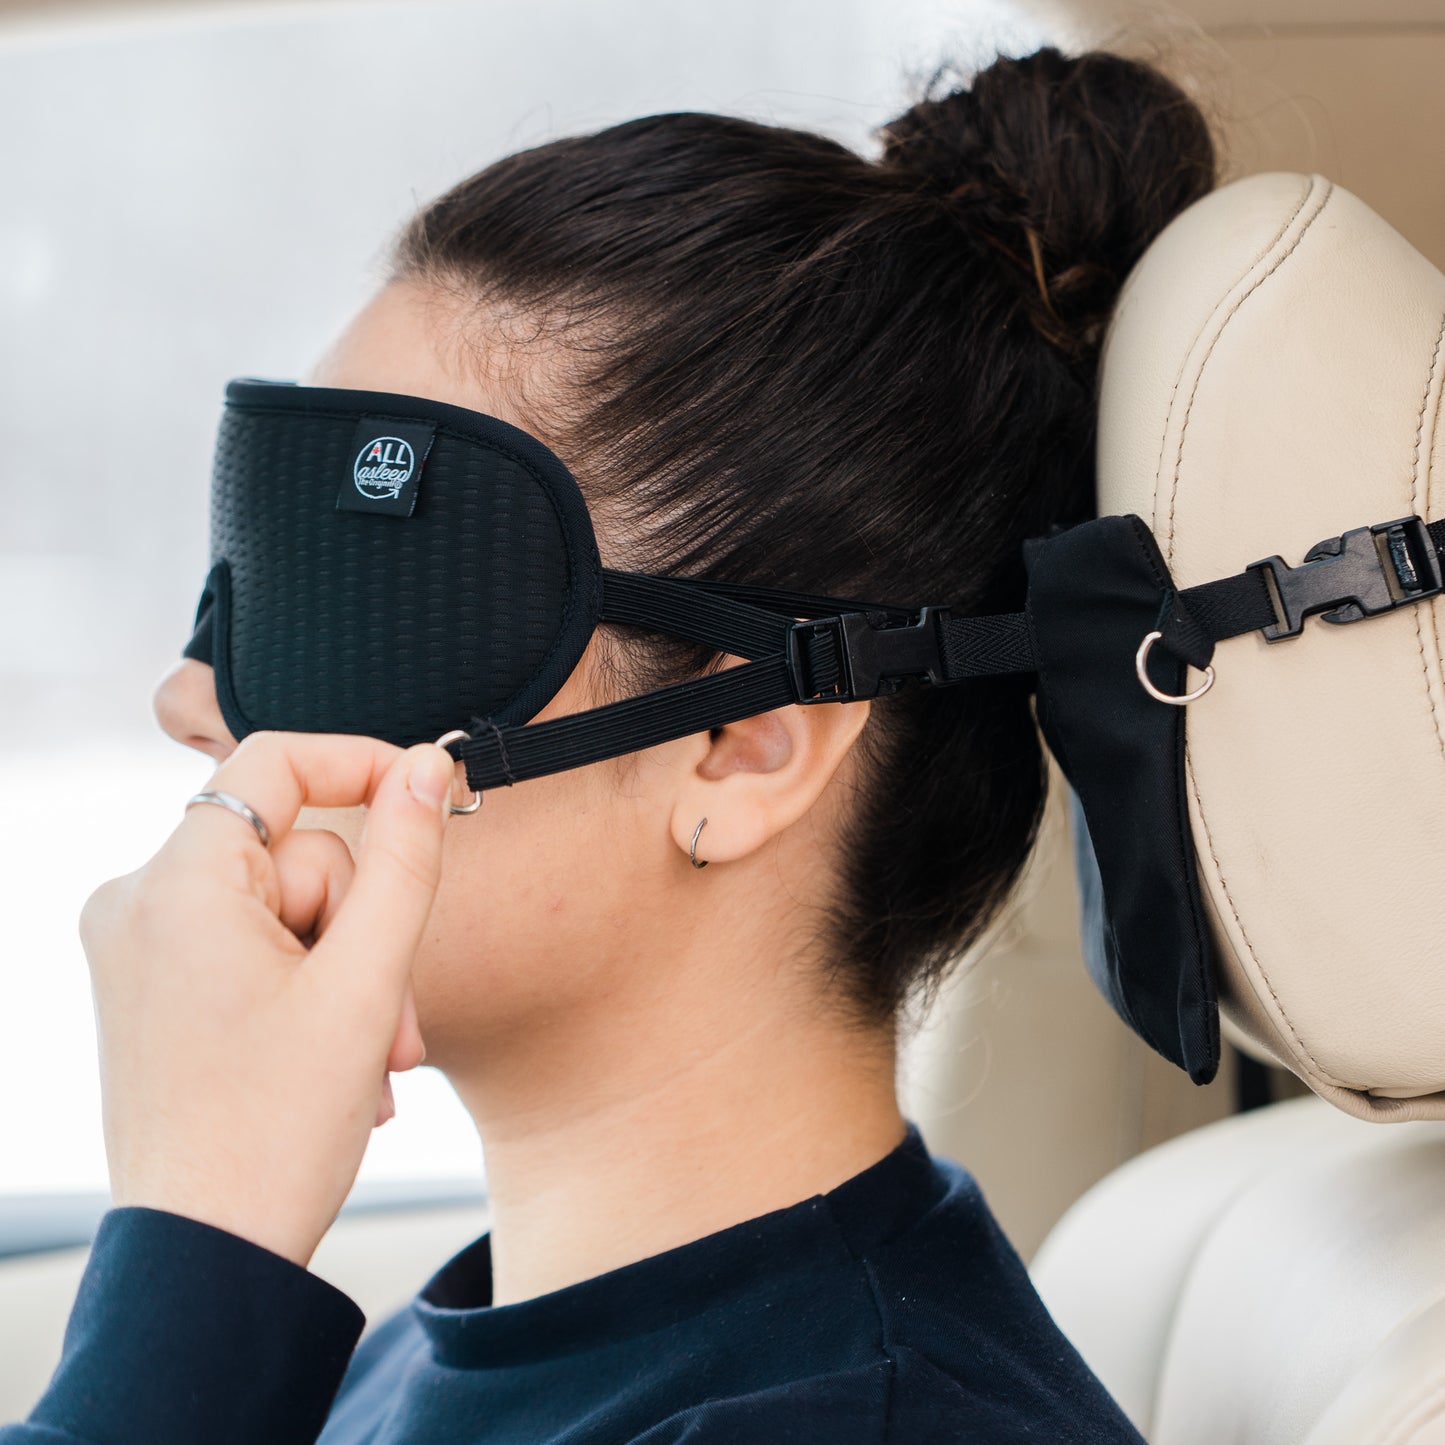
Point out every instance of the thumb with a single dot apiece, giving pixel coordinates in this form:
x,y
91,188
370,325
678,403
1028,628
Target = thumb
x,y
378,926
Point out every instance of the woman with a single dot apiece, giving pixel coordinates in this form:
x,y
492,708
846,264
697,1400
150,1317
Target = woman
x,y
766,360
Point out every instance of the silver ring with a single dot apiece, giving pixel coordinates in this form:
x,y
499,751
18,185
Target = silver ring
x,y
240,809
1141,659
692,852
442,741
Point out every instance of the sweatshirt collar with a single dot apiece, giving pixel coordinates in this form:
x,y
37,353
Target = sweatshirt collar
x,y
821,1233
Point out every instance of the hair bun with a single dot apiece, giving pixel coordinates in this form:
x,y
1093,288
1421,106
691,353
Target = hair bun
x,y
1067,166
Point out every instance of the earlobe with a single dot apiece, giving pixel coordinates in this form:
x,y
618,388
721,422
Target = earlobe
x,y
759,776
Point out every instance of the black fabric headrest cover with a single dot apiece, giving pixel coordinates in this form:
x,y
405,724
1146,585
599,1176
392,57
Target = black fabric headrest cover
x,y
1095,590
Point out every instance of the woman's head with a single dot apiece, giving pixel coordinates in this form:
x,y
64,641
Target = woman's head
x,y
769,360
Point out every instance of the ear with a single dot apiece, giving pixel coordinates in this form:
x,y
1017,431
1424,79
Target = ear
x,y
753,779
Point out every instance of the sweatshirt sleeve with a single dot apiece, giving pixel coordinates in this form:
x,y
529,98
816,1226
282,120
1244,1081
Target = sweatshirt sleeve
x,y
182,1332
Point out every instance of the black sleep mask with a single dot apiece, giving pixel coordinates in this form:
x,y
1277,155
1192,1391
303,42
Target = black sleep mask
x,y
401,568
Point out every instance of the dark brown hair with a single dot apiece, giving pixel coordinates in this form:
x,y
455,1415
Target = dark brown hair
x,y
790,365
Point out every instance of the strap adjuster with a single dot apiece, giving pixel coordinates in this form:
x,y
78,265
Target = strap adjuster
x,y
871,660
1362,572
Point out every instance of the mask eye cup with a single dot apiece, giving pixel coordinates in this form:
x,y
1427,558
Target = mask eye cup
x,y
388,565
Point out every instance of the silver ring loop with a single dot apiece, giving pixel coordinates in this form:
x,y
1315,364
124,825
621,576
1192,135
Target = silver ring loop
x,y
692,852
240,809
442,741
1141,659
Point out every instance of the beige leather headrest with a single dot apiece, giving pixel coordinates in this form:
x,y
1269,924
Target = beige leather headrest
x,y
1272,377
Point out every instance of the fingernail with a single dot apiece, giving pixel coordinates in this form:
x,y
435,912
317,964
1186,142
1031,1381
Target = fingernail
x,y
430,778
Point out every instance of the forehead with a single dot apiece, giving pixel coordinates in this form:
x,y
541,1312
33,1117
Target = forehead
x,y
415,339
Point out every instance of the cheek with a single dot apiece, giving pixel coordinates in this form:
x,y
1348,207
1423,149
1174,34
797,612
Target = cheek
x,y
525,922
541,895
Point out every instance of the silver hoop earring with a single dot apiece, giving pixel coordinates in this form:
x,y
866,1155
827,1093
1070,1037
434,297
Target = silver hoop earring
x,y
692,852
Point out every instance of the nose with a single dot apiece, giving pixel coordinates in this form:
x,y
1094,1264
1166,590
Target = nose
x,y
185,706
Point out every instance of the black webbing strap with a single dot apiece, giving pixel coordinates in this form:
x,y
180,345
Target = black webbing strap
x,y
1360,573
986,646
1344,572
804,648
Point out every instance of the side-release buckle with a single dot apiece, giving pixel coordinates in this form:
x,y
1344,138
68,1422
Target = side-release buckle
x,y
870,660
1360,573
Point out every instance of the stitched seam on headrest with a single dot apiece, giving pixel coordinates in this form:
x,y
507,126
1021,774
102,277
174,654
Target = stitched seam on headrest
x,y
1167,544
1167,548
1189,351
1419,498
1411,1419
1254,958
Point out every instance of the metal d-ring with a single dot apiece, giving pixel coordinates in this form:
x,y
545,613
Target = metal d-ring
x,y
1141,659
442,741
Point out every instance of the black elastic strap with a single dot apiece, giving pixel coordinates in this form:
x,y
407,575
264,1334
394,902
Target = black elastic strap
x,y
710,613
626,727
800,604
708,618
789,662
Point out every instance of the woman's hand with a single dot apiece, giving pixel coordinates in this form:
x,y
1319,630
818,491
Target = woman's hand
x,y
250,1001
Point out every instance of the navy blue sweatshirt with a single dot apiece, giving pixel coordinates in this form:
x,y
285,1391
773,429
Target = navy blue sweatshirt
x,y
889,1311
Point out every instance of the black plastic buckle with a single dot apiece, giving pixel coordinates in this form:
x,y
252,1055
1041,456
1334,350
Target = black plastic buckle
x,y
869,658
1360,573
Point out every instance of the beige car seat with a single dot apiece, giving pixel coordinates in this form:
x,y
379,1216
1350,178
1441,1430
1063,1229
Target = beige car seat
x,y
1272,377
1277,1278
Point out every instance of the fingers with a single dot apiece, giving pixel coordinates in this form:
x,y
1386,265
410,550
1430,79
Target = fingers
x,y
276,774
375,933
314,869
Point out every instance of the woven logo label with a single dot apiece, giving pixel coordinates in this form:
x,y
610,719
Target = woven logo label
x,y
383,466
386,463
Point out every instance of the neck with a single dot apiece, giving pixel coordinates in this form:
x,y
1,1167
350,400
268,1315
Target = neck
x,y
608,1144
